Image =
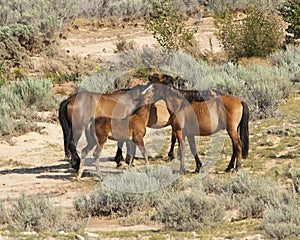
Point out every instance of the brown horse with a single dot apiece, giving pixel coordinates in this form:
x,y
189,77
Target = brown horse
x,y
203,119
77,111
159,116
131,129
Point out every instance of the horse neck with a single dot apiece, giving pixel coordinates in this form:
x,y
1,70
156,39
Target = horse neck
x,y
174,100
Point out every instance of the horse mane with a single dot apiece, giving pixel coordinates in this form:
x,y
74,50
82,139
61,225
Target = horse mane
x,y
191,95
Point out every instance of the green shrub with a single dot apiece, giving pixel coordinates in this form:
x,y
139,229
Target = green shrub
x,y
36,213
252,196
167,25
260,33
192,211
291,14
142,181
35,92
218,6
283,221
19,102
107,202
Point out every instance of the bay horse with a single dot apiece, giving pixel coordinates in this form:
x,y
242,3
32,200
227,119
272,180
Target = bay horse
x,y
78,110
189,119
157,114
131,129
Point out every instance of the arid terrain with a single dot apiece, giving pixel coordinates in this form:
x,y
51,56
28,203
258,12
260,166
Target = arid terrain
x,y
34,162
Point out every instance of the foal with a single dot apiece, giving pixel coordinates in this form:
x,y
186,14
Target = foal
x,y
131,130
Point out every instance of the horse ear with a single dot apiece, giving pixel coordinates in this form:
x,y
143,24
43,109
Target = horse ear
x,y
175,78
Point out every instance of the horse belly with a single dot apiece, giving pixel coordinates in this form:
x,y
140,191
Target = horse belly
x,y
159,115
120,129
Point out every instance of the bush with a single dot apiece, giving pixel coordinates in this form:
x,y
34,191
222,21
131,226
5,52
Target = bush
x,y
193,211
167,25
18,103
218,6
108,202
260,33
291,14
283,221
36,213
252,196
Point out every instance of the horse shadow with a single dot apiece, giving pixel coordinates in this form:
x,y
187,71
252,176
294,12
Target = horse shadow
x,y
63,168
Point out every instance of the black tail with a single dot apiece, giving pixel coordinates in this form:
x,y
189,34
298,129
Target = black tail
x,y
244,130
66,126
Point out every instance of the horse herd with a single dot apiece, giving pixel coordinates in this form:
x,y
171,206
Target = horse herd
x,y
125,114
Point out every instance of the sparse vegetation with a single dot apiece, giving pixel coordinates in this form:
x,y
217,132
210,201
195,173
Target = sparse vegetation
x,y
36,213
262,199
191,211
19,103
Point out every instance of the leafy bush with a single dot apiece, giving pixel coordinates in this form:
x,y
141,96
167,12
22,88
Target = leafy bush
x,y
291,14
167,25
192,211
36,213
260,33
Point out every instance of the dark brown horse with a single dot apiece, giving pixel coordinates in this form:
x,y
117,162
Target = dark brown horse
x,y
77,111
131,129
203,119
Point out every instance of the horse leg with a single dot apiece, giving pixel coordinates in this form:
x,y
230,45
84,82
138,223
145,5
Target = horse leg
x,y
192,144
181,157
236,151
141,145
97,158
232,160
131,151
173,141
119,157
75,159
91,140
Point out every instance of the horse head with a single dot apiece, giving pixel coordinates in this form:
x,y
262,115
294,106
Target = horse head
x,y
162,79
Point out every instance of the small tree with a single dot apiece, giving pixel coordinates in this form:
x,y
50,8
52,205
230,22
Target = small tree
x,y
291,14
260,33
167,25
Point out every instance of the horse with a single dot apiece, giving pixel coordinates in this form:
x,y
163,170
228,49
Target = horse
x,y
131,129
159,114
78,110
189,119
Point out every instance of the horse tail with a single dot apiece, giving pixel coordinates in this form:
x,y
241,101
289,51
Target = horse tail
x,y
244,130
66,126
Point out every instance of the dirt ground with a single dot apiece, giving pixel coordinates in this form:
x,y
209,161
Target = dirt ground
x,y
34,162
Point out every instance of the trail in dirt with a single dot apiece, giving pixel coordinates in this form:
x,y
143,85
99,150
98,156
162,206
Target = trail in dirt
x,y
101,43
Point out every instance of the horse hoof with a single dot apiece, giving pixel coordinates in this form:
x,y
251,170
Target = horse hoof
x,y
119,164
